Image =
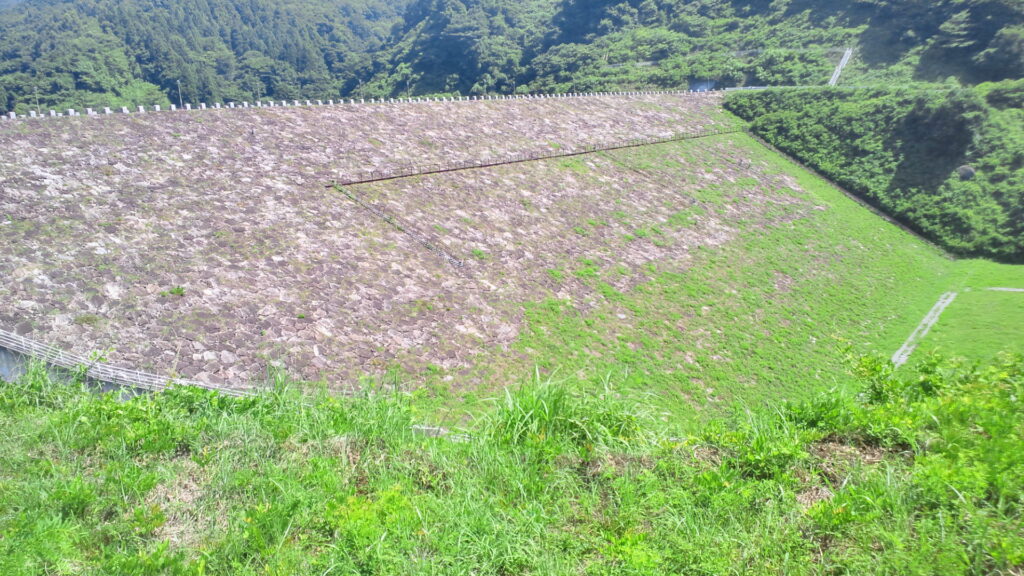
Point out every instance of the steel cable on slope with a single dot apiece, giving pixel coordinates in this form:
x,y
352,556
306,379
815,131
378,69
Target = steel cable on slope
x,y
522,157
403,172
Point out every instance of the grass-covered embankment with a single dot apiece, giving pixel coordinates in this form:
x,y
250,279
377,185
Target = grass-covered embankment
x,y
915,476
946,161
756,319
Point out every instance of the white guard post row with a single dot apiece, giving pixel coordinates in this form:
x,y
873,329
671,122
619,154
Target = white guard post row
x,y
294,103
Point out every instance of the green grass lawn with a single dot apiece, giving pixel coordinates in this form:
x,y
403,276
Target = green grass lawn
x,y
766,317
916,476
978,325
763,318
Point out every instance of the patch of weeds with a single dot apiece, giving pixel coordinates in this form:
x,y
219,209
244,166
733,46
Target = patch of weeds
x,y
556,274
441,229
480,254
711,195
686,218
588,269
581,231
421,306
176,291
575,164
654,234
609,292
87,320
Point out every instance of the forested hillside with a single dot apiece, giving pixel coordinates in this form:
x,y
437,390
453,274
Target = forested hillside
x,y
571,45
56,53
112,52
949,163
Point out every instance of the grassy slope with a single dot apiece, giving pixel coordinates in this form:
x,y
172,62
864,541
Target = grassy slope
x,y
901,149
563,479
848,276
978,324
921,478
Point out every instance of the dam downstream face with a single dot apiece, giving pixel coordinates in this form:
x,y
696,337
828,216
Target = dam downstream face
x,y
206,245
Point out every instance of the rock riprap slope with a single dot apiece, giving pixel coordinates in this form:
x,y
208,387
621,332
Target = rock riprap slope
x,y
206,244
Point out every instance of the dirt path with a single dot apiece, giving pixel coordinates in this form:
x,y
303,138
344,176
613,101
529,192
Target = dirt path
x,y
903,354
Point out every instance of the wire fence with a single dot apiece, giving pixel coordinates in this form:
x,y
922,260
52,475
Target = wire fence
x,y
93,369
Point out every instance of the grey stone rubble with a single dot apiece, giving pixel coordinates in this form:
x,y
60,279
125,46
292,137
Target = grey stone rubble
x,y
245,225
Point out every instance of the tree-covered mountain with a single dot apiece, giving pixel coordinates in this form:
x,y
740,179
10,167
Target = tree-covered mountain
x,y
61,53
575,45
110,52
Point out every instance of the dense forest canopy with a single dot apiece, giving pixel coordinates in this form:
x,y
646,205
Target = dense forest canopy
x,y
58,53
61,53
475,46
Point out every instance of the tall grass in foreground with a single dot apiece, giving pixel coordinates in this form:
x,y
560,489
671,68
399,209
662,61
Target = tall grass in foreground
x,y
915,475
